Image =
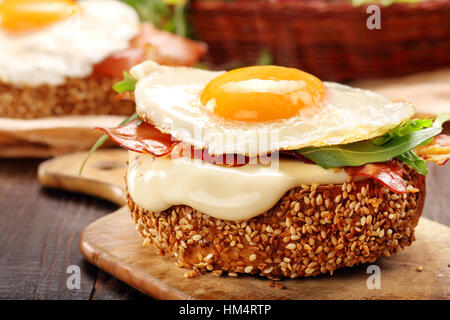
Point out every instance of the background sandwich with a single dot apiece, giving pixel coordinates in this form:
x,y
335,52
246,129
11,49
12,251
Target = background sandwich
x,y
62,57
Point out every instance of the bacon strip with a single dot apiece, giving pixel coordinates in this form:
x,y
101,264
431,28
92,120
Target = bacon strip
x,y
146,138
389,173
437,151
143,138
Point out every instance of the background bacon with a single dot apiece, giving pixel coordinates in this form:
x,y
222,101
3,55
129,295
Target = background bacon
x,y
152,44
167,48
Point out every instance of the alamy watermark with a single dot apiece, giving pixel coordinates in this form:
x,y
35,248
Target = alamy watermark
x,y
374,20
374,280
73,281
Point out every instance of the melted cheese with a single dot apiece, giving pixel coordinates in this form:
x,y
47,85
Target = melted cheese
x,y
229,193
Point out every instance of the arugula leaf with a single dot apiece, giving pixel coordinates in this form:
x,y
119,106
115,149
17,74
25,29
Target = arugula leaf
x,y
360,153
154,11
102,140
401,130
169,15
127,84
179,19
416,162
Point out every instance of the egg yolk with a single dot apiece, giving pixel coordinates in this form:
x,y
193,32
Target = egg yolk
x,y
261,93
29,15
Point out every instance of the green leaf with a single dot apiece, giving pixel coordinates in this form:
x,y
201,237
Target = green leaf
x,y
127,84
179,19
154,11
416,162
169,15
401,130
102,140
360,153
265,58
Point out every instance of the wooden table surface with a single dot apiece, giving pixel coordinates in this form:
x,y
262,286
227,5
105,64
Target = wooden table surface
x,y
39,233
40,230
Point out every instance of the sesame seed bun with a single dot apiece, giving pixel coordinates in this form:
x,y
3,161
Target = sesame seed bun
x,y
313,229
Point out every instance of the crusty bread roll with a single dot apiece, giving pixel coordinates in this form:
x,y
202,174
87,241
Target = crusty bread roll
x,y
313,229
88,96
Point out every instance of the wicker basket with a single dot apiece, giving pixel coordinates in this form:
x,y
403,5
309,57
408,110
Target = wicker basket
x,y
327,39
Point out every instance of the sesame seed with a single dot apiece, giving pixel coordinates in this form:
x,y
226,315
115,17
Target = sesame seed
x,y
197,237
319,200
209,256
364,191
292,230
146,242
268,270
248,269
291,246
309,270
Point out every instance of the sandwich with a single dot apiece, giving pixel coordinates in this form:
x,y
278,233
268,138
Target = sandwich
x,y
270,171
61,57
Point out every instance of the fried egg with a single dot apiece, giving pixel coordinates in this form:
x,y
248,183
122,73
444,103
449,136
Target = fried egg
x,y
47,41
261,109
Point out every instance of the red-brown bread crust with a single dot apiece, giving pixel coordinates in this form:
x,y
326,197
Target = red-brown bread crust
x,y
88,96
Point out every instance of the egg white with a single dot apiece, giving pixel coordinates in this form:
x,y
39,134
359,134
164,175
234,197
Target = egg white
x,y
69,48
169,97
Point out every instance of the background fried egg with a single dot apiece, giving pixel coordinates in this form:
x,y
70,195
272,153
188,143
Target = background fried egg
x,y
44,42
171,99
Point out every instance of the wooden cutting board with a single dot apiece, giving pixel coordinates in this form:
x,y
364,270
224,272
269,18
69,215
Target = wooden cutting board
x,y
113,244
103,175
47,137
